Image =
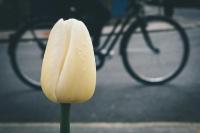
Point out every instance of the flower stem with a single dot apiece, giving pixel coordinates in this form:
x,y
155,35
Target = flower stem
x,y
64,120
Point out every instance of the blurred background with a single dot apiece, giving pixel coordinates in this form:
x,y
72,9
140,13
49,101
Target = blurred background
x,y
140,87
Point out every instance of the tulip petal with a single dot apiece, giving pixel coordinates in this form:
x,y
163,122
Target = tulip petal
x,y
68,70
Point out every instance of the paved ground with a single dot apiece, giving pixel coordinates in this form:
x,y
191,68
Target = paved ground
x,y
103,127
118,98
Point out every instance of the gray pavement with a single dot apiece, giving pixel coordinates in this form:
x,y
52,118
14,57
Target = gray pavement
x,y
117,98
103,128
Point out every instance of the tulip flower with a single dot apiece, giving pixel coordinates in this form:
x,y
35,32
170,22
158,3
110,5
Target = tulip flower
x,y
68,72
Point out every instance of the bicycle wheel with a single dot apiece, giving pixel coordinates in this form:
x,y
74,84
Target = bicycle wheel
x,y
148,66
26,51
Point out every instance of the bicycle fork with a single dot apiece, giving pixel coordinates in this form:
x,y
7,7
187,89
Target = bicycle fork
x,y
146,36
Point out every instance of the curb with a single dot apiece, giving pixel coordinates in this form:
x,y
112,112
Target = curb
x,y
162,127
109,125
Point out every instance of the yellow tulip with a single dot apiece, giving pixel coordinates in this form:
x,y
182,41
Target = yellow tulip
x,y
68,71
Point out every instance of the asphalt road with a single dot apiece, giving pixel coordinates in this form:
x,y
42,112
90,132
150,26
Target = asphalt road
x,y
117,97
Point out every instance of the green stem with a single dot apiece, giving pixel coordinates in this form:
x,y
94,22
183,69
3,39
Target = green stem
x,y
64,120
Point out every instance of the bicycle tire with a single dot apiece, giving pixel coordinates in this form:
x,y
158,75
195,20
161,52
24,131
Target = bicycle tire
x,y
126,61
13,47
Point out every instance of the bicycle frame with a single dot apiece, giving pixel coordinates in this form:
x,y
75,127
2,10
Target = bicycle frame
x,y
137,13
127,18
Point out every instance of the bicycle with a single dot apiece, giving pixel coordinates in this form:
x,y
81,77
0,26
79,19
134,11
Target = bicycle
x,y
148,30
